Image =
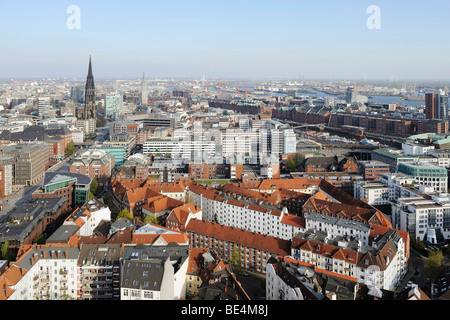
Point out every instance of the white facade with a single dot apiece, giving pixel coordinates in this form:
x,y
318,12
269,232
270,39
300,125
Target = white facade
x,y
90,220
87,126
290,141
77,135
419,214
357,264
416,149
254,219
375,193
53,277
278,289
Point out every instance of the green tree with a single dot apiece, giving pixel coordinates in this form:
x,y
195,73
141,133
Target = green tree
x,y
5,248
235,259
91,195
124,214
94,186
290,165
7,253
70,148
39,240
433,265
150,219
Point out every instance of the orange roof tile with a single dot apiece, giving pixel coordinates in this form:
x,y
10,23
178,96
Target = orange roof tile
x,y
243,237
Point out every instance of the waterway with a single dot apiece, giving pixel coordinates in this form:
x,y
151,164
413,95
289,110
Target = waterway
x,y
375,99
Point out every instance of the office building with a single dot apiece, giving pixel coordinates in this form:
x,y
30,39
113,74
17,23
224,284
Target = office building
x,y
436,105
30,162
96,164
113,103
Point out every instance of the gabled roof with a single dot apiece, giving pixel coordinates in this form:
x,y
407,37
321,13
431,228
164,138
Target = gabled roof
x,y
9,278
239,236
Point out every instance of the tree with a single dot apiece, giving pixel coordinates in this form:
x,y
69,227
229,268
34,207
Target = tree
x,y
433,265
124,214
94,186
70,148
5,248
39,239
150,219
235,259
290,165
7,253
91,195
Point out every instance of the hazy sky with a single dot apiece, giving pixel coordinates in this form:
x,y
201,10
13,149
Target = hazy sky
x,y
226,39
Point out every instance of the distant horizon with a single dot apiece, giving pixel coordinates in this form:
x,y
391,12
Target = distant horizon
x,y
418,82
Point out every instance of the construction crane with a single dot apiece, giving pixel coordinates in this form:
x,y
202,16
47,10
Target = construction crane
x,y
322,147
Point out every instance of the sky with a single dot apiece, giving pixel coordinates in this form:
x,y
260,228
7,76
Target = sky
x,y
278,39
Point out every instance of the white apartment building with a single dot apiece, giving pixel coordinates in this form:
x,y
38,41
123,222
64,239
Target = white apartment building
x,y
289,141
51,274
247,215
391,187
88,217
442,156
425,217
87,126
416,149
375,193
339,227
77,135
181,147
381,264
281,285
154,272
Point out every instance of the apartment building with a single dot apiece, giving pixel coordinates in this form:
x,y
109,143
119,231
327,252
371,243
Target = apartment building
x,y
98,267
284,284
245,213
375,193
426,216
96,164
6,176
380,262
89,216
48,273
154,272
254,249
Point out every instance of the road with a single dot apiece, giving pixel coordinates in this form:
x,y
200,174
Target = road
x,y
24,194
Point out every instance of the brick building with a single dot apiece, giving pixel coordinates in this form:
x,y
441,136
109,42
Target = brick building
x,y
96,164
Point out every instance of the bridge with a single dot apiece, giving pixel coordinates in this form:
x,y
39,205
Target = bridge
x,y
318,125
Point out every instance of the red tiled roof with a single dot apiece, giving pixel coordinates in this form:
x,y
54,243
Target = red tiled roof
x,y
294,220
243,237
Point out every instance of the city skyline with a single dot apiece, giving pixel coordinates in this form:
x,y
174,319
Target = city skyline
x,y
252,40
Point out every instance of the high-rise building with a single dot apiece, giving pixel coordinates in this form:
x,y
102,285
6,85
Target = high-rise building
x,y
77,94
89,101
144,91
436,105
113,103
44,106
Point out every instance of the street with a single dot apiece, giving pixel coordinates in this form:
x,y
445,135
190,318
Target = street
x,y
24,194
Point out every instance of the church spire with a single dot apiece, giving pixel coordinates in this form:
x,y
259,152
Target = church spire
x,y
90,66
90,107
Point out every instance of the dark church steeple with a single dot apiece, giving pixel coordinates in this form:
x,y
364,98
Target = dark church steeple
x,y
90,107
